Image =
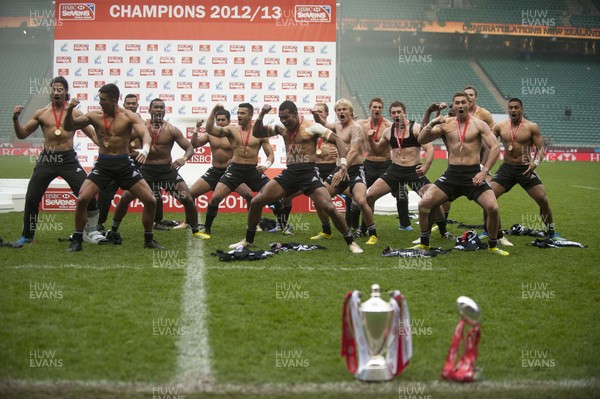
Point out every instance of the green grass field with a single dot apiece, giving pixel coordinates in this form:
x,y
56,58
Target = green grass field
x,y
124,322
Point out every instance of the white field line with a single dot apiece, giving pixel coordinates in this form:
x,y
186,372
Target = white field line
x,y
484,387
589,188
193,358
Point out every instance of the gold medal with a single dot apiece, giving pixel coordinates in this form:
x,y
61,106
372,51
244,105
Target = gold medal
x,y
460,148
510,147
106,144
132,144
319,151
57,132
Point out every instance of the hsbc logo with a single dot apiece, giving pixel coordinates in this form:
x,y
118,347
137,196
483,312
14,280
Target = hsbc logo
x,y
237,48
63,59
152,47
167,97
80,84
323,99
81,47
309,86
309,49
184,85
99,83
291,61
167,72
95,72
323,61
64,72
323,74
199,72
566,157
304,74
186,97
82,96
114,59
187,60
204,85
147,72
289,49
252,73
219,60
167,60
256,85
239,98
133,47
76,12
114,72
257,48
219,72
219,97
135,59
271,98
185,47
271,73
129,84
204,47
291,97
152,84
237,86
100,47
271,61
289,86
239,60
199,110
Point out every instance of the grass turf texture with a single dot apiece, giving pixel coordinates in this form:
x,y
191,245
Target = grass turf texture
x,y
261,314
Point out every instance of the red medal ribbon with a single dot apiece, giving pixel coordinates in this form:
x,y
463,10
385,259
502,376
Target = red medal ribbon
x,y
402,138
461,137
376,131
59,119
247,137
514,137
154,136
294,136
107,127
465,369
348,343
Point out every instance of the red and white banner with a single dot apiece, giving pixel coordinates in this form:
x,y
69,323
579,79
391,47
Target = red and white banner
x,y
194,54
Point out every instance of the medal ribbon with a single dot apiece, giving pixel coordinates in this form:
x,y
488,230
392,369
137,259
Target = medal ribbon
x,y
402,138
376,131
59,119
154,136
514,137
106,126
348,342
461,137
464,370
247,137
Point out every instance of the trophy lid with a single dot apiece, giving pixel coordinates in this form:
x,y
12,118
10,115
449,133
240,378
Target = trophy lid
x,y
375,303
468,310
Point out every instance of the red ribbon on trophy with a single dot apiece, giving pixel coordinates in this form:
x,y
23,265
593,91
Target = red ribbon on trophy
x,y
465,370
372,328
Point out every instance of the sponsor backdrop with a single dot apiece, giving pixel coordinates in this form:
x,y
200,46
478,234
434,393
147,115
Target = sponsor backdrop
x,y
194,55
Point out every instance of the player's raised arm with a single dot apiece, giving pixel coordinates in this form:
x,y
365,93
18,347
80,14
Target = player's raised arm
x,y
432,131
73,123
199,141
259,129
23,132
213,130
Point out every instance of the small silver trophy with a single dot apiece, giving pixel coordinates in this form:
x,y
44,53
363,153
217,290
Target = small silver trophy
x,y
376,318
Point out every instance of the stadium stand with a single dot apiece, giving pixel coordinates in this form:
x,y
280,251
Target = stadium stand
x,y
508,12
386,9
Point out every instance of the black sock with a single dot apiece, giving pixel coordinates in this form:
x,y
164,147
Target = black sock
x,y
250,233
442,225
425,236
287,209
148,236
372,231
326,227
115,225
348,237
550,227
348,210
211,214
492,243
78,236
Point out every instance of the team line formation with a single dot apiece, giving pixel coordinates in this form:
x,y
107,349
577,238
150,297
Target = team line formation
x,y
364,159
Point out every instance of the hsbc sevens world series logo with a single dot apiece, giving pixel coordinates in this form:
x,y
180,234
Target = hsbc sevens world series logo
x,y
312,13
77,11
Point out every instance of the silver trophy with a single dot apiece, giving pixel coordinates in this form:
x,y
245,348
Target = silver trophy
x,y
468,310
376,318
